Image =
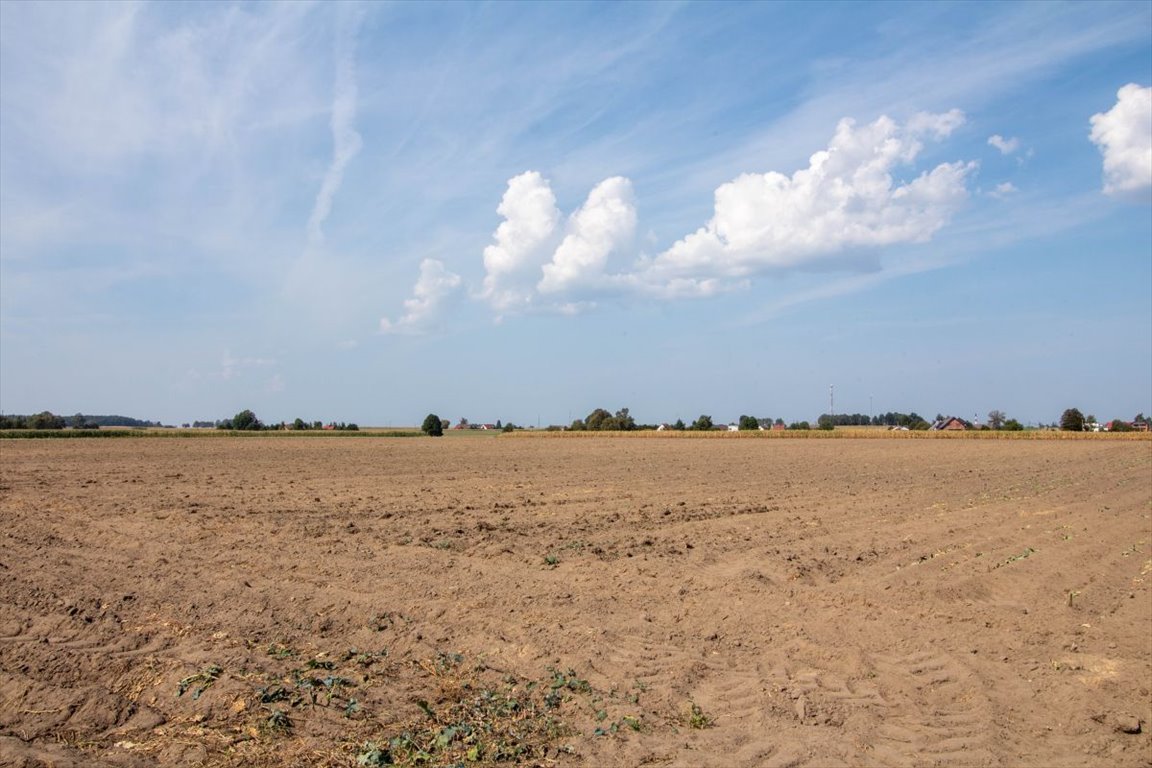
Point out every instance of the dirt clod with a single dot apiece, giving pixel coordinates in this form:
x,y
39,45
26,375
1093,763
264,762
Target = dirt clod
x,y
1127,724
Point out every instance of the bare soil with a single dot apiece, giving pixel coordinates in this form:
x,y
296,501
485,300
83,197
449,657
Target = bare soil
x,y
615,602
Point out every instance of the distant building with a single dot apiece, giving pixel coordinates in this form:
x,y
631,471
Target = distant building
x,y
949,424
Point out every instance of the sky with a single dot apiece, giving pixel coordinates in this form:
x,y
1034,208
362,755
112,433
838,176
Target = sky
x,y
528,211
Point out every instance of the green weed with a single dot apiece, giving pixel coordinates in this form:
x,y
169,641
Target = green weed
x,y
697,718
279,651
277,722
205,678
1028,552
480,716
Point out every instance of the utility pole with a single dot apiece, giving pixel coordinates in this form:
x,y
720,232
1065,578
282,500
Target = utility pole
x,y
832,401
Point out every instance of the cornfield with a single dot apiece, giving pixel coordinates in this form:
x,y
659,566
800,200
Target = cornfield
x,y
861,433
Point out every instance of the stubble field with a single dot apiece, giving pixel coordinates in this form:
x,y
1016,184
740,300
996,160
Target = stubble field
x,y
601,602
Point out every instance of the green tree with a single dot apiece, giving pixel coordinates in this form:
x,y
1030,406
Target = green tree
x,y
799,425
1072,420
299,424
1119,425
679,425
702,424
509,427
80,421
825,422
996,419
595,421
246,420
1011,425
45,420
432,426
748,423
623,420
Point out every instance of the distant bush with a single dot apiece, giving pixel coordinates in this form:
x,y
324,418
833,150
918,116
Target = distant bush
x,y
602,420
702,424
432,426
1072,420
45,420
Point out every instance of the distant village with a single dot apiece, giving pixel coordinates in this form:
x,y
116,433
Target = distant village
x,y
602,420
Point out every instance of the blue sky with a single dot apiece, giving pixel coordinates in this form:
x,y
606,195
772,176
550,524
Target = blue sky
x,y
527,211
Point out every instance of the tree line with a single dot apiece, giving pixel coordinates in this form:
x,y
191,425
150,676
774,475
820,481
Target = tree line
x,y
1073,420
49,420
247,421
599,420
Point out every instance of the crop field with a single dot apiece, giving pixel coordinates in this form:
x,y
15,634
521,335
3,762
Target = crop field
x,y
272,601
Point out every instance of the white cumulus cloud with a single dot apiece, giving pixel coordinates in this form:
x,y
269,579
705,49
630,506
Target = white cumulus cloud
x,y
1006,146
522,242
603,225
1003,190
434,286
845,199
860,194
1124,136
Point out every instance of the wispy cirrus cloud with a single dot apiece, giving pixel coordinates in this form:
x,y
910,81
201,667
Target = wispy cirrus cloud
x,y
137,126
92,85
231,366
346,141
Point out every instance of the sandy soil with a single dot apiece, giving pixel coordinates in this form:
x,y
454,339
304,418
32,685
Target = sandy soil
x,y
820,603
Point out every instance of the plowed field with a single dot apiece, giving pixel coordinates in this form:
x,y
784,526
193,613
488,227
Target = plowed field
x,y
601,602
